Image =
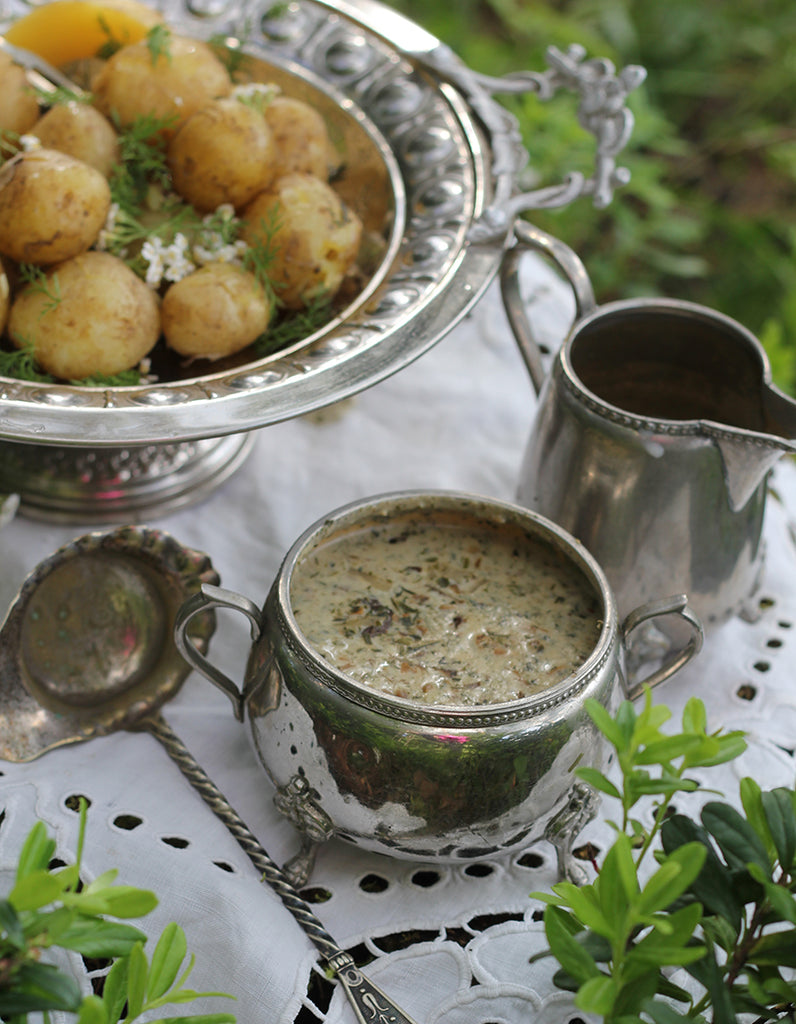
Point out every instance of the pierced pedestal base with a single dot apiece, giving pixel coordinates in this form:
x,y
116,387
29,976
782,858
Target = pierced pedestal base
x,y
117,485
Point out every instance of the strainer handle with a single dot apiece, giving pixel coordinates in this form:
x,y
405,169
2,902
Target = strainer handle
x,y
209,597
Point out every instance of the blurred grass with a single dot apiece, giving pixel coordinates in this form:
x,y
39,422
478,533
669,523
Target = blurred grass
x,y
710,212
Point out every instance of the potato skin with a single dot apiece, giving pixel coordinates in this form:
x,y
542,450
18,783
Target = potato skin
x,y
301,140
81,131
130,85
224,153
19,109
214,312
105,319
314,236
52,206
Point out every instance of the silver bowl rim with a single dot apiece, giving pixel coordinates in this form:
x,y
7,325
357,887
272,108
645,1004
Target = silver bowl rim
x,y
463,716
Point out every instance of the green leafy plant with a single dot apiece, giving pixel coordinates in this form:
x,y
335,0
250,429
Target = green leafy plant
x,y
49,908
715,897
709,214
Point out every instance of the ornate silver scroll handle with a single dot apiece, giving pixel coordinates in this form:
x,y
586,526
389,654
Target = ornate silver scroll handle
x,y
602,112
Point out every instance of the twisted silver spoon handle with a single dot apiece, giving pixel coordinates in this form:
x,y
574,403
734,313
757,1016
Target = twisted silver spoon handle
x,y
370,1004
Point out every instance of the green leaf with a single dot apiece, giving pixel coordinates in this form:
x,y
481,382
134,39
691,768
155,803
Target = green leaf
x,y
667,749
713,887
597,995
779,898
617,884
36,888
92,1011
719,750
128,901
709,974
656,949
695,717
565,948
608,726
598,781
102,882
97,938
777,949
585,905
737,840
672,878
662,1013
166,960
38,987
752,803
114,991
11,925
36,852
136,980
781,819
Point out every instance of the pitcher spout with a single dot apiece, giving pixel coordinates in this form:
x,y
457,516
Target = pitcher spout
x,y
749,455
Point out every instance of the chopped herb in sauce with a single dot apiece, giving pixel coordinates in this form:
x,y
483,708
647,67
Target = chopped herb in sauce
x,y
490,614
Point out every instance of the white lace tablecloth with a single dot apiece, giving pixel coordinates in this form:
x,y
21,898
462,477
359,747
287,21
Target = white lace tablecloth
x,y
449,944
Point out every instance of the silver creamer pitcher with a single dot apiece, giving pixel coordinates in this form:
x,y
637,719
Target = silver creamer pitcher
x,y
653,438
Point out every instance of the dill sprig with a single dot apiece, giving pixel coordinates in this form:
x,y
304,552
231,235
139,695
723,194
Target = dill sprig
x,y
261,253
21,365
38,281
127,378
142,161
129,230
60,96
295,327
112,44
158,41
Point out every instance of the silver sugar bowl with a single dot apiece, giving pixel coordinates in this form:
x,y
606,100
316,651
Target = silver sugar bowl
x,y
417,781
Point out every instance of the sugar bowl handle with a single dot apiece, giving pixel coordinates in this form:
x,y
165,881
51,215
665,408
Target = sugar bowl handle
x,y
673,661
206,598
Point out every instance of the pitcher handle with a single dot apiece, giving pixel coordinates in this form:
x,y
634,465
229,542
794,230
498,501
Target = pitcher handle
x,y
677,605
530,238
209,597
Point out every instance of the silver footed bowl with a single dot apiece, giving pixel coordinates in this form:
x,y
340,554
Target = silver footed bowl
x,y
434,146
412,780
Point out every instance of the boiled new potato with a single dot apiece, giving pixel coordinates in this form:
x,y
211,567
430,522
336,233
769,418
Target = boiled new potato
x,y
312,235
302,141
214,312
91,316
19,108
224,153
81,131
168,87
52,206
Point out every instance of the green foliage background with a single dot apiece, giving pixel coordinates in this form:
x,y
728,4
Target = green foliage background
x,y
710,213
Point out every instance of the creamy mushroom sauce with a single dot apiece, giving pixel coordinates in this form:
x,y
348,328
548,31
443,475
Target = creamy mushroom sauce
x,y
446,610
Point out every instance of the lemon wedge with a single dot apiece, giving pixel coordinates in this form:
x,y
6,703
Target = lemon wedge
x,y
68,30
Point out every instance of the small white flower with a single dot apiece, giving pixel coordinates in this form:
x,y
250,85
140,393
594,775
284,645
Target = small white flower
x,y
106,234
264,91
29,142
153,253
176,259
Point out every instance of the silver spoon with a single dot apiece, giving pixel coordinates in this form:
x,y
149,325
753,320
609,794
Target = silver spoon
x,y
40,74
86,649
